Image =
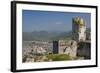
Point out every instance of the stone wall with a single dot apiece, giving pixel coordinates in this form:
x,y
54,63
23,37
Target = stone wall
x,y
63,47
84,49
79,28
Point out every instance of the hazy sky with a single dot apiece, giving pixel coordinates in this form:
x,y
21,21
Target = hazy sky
x,y
50,21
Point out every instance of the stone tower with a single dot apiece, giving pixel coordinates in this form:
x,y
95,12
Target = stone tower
x,y
79,29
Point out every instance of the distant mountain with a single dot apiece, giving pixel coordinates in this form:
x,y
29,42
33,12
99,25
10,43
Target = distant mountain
x,y
63,36
44,35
